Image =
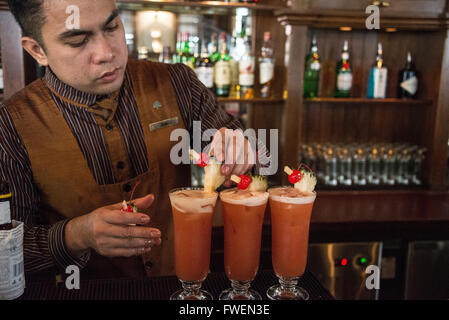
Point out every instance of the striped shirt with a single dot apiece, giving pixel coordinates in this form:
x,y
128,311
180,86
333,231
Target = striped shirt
x,y
44,245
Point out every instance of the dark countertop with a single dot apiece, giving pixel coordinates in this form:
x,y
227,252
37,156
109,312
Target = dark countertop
x,y
158,288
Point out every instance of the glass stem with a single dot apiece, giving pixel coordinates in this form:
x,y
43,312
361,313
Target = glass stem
x,y
191,288
288,285
240,288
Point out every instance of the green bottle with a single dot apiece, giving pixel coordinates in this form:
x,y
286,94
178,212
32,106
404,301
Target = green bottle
x,y
222,70
187,57
343,83
312,72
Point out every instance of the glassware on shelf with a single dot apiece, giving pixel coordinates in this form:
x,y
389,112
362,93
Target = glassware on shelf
x,y
359,174
345,172
330,177
374,166
388,167
417,163
360,165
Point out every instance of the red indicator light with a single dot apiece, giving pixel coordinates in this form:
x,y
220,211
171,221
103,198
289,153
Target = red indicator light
x,y
344,262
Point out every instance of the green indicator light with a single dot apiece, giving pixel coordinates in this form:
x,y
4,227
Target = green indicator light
x,y
362,260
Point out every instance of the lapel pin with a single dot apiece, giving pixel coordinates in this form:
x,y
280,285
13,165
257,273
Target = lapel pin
x,y
157,105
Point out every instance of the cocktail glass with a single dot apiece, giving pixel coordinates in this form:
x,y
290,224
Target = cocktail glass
x,y
290,220
243,214
192,210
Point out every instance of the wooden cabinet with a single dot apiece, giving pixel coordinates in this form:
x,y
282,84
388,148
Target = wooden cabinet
x,y
411,8
424,121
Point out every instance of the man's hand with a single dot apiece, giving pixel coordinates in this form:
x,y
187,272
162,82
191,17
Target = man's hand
x,y
234,150
108,231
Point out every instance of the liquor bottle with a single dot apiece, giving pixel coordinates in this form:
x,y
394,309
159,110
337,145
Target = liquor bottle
x,y
247,67
5,208
165,56
177,54
234,58
377,81
212,48
266,67
222,70
312,71
204,68
187,57
344,74
408,80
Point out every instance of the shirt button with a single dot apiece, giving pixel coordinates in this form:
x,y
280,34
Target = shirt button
x,y
127,187
120,165
148,264
109,127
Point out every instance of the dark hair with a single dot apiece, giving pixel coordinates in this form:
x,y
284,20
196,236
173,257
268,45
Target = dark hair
x,y
30,16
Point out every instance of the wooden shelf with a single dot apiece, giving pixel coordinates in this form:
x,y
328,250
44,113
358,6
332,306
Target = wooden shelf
x,y
255,100
369,101
201,7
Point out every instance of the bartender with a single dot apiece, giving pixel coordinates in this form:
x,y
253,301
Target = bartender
x,y
74,144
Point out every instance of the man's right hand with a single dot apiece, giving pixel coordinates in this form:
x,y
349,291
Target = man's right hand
x,y
107,230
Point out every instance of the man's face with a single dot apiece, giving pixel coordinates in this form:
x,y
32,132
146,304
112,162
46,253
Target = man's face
x,y
92,58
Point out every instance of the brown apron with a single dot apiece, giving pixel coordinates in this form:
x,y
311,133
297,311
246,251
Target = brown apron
x,y
67,186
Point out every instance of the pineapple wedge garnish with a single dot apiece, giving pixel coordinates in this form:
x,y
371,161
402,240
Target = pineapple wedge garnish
x,y
307,183
212,175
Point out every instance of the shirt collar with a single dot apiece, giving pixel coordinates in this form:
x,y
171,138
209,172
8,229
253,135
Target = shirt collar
x,y
101,105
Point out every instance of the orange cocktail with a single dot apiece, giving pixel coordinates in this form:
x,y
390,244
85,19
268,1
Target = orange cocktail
x,y
243,213
290,219
192,216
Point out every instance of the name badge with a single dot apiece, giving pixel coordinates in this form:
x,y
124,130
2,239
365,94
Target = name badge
x,y
163,124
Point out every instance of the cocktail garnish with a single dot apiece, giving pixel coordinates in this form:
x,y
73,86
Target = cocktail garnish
x,y
130,206
307,180
242,181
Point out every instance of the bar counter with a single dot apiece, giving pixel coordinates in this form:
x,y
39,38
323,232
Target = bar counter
x,y
158,288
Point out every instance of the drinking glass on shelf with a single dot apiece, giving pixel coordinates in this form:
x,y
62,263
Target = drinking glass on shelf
x,y
290,220
243,213
192,210
330,177
403,173
359,167
418,159
388,168
345,172
374,167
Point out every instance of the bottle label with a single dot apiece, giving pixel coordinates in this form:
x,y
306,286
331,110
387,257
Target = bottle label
x,y
344,81
315,65
5,212
12,278
410,85
380,83
206,76
222,73
246,72
266,72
